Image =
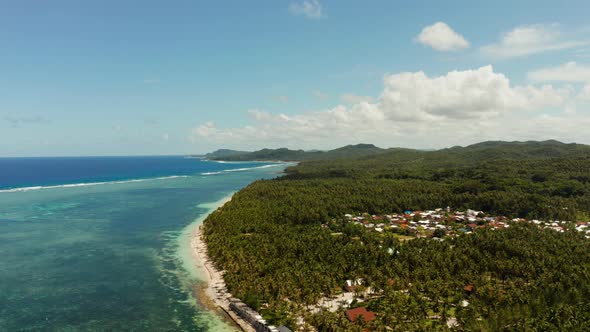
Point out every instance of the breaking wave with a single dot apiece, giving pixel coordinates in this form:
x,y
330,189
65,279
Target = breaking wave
x,y
88,184
242,169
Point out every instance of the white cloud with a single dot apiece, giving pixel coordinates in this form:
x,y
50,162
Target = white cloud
x,y
530,39
479,93
567,72
308,8
442,38
205,130
413,110
351,98
585,93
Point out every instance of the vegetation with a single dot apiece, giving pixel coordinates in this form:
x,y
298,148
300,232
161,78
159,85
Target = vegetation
x,y
285,154
278,258
223,153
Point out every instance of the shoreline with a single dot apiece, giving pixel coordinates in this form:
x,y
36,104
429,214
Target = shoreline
x,y
211,291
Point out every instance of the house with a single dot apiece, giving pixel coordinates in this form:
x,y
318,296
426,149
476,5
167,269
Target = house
x,y
354,314
351,285
283,328
468,289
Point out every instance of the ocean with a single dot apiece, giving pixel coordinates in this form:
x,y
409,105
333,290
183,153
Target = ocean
x,y
100,243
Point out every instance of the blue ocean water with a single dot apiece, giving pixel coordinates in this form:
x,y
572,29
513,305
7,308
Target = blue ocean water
x,y
46,171
92,244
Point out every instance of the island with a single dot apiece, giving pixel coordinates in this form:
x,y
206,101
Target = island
x,y
492,236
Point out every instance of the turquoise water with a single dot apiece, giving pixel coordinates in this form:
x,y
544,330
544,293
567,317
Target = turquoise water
x,y
106,257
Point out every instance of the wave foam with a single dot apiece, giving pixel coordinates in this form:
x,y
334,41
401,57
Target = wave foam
x,y
88,184
211,173
241,169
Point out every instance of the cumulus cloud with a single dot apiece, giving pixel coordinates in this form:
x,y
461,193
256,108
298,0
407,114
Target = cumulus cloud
x,y
479,93
567,72
351,98
412,107
441,37
530,39
309,8
205,130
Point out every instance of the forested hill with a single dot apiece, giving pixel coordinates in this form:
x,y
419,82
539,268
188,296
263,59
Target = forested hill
x,y
491,150
283,246
285,154
224,153
432,165
518,179
498,150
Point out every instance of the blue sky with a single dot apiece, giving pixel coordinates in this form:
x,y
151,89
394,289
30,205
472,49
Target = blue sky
x,y
175,77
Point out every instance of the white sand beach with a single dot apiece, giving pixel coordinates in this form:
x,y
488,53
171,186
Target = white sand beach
x,y
213,293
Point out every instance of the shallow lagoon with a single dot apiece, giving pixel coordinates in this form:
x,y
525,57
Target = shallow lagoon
x,y
106,257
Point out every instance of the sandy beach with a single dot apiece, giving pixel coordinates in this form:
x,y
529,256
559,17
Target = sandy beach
x,y
213,293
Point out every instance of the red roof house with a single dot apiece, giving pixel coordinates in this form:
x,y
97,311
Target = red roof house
x,y
353,314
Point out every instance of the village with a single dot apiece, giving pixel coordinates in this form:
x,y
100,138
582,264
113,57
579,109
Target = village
x,y
436,224
440,222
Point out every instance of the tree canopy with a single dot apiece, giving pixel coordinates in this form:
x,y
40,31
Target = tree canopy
x,y
279,259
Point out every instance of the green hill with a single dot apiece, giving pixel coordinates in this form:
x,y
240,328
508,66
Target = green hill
x,y
408,162
272,241
490,150
298,155
223,153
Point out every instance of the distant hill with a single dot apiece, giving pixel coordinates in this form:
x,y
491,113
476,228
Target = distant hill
x,y
358,150
268,154
349,151
518,150
223,153
408,161
484,151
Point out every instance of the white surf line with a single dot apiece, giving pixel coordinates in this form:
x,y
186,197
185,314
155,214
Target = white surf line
x,y
88,184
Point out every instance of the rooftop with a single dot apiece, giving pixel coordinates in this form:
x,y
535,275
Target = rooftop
x,y
353,314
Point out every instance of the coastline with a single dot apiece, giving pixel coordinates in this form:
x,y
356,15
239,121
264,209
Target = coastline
x,y
215,294
210,290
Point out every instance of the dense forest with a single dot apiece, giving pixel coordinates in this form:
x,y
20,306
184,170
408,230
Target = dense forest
x,y
285,154
281,261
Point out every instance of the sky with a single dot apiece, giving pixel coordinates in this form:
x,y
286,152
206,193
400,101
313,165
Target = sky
x,y
187,77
